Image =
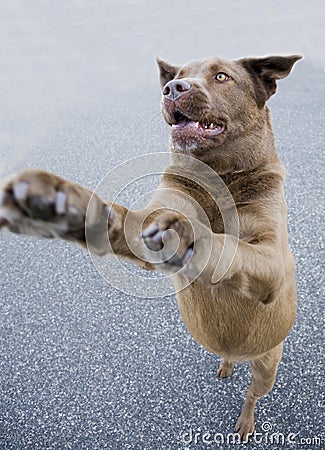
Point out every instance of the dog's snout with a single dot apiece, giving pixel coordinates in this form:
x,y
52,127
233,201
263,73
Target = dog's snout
x,y
176,88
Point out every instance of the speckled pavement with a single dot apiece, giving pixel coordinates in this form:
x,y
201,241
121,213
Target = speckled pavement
x,y
84,366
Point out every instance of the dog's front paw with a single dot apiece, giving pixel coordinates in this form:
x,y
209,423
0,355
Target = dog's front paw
x,y
175,244
171,239
39,203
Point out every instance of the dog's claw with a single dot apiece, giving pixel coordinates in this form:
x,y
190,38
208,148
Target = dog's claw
x,y
154,240
157,237
20,191
187,255
111,216
150,231
60,202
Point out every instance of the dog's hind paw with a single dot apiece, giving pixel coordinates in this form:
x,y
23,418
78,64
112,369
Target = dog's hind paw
x,y
225,369
245,426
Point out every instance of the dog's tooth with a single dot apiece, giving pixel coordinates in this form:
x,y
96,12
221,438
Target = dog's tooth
x,y
211,126
197,124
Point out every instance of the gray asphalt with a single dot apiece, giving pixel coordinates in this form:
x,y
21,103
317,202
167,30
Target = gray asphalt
x,y
83,365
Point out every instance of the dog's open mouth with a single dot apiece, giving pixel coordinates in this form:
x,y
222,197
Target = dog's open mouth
x,y
184,123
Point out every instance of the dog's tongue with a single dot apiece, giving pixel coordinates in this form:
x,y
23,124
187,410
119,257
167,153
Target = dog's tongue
x,y
186,123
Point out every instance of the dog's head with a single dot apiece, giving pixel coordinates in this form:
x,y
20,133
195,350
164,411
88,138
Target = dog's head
x,y
210,102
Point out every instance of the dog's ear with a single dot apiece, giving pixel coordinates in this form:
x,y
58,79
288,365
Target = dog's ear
x,y
265,72
167,71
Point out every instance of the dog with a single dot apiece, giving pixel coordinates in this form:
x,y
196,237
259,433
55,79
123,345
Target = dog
x,y
234,277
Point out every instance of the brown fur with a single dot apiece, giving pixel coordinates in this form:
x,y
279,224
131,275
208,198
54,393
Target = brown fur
x,y
247,314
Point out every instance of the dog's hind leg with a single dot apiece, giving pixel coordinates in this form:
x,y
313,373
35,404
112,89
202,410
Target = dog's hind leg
x,y
263,377
225,368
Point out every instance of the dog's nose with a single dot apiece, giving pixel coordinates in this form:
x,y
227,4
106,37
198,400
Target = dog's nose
x,y
176,88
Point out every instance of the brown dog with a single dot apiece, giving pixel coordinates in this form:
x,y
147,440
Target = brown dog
x,y
235,275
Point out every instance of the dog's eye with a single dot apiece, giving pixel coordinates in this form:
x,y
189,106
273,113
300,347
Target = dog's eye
x,y
221,76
